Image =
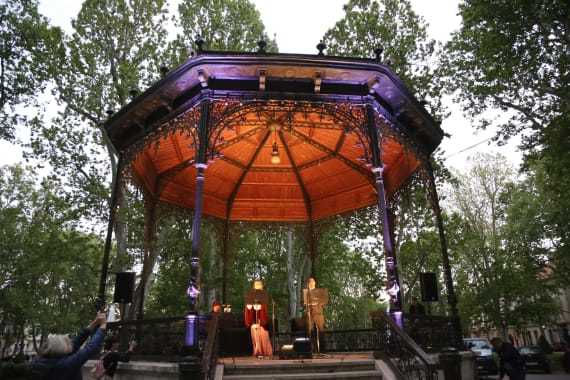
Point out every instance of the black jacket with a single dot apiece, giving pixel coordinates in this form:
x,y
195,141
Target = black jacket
x,y
512,363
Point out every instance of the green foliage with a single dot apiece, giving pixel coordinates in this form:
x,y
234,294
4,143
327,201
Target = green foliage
x,y
25,43
352,272
48,265
223,24
395,27
514,57
116,46
501,248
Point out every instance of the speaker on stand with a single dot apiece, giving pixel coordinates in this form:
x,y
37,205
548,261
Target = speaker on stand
x,y
124,286
428,283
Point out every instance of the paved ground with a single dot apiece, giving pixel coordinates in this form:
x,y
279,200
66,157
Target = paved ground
x,y
538,376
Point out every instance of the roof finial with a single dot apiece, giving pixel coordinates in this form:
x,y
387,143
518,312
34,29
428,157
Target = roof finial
x,y
378,53
321,46
199,41
261,44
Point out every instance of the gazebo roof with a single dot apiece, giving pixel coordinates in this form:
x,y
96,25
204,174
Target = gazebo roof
x,y
312,107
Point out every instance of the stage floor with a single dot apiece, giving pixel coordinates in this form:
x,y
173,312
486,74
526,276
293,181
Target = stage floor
x,y
318,358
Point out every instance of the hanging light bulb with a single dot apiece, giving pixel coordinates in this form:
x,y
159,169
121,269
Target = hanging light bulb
x,y
275,159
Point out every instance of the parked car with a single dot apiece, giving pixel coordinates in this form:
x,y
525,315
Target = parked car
x,y
535,358
484,359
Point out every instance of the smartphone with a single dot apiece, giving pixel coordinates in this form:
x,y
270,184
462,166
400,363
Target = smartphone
x,y
111,313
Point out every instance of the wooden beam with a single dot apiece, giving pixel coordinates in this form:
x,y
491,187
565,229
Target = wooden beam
x,y
306,196
267,169
177,148
340,141
238,138
163,178
297,123
363,171
315,162
235,190
233,162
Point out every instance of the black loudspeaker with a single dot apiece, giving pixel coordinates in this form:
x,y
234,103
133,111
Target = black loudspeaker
x,y
124,286
303,348
429,287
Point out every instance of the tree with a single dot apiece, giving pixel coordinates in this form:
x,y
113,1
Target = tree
x,y
515,57
46,261
512,56
393,26
223,24
117,47
25,43
499,264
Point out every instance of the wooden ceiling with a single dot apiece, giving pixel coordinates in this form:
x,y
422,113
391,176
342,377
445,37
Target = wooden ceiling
x,y
320,173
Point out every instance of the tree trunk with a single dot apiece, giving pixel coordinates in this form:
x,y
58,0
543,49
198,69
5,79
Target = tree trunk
x,y
22,340
210,272
150,256
291,275
34,340
121,230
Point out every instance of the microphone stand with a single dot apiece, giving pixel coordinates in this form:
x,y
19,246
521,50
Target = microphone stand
x,y
273,322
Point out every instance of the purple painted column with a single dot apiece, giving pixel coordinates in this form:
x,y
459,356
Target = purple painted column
x,y
393,281
193,291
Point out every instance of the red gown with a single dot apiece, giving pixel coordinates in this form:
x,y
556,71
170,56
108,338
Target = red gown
x,y
256,321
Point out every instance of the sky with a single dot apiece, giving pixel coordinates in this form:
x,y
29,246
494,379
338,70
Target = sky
x,y
298,26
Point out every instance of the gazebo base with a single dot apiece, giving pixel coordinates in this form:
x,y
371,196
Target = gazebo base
x,y
347,365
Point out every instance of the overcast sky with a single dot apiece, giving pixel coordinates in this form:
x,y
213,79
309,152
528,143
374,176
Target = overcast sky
x,y
299,25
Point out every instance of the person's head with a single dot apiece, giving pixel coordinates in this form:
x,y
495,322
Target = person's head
x,y
496,342
258,285
56,346
311,283
216,307
415,300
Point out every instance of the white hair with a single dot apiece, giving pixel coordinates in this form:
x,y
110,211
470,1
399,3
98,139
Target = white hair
x,y
56,346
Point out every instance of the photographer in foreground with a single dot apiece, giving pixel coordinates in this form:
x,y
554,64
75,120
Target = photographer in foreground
x,y
62,358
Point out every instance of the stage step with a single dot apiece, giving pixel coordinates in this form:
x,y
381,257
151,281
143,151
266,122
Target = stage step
x,y
361,369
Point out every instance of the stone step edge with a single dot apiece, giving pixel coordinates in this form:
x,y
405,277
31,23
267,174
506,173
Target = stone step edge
x,y
300,362
300,376
298,369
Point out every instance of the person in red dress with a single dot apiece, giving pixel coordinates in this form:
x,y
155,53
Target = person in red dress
x,y
257,320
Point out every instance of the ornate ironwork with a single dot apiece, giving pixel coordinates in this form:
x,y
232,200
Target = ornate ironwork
x,y
211,348
401,350
432,332
157,339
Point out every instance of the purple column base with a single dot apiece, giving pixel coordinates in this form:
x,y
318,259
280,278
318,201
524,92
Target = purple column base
x,y
191,337
398,319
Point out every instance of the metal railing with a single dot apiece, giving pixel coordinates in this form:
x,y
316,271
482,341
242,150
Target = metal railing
x,y
431,332
210,353
163,340
157,339
409,359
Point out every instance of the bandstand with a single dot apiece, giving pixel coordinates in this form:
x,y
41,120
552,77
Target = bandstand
x,y
285,138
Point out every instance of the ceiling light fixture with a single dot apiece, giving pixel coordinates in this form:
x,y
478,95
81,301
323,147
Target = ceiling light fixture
x,y
275,159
